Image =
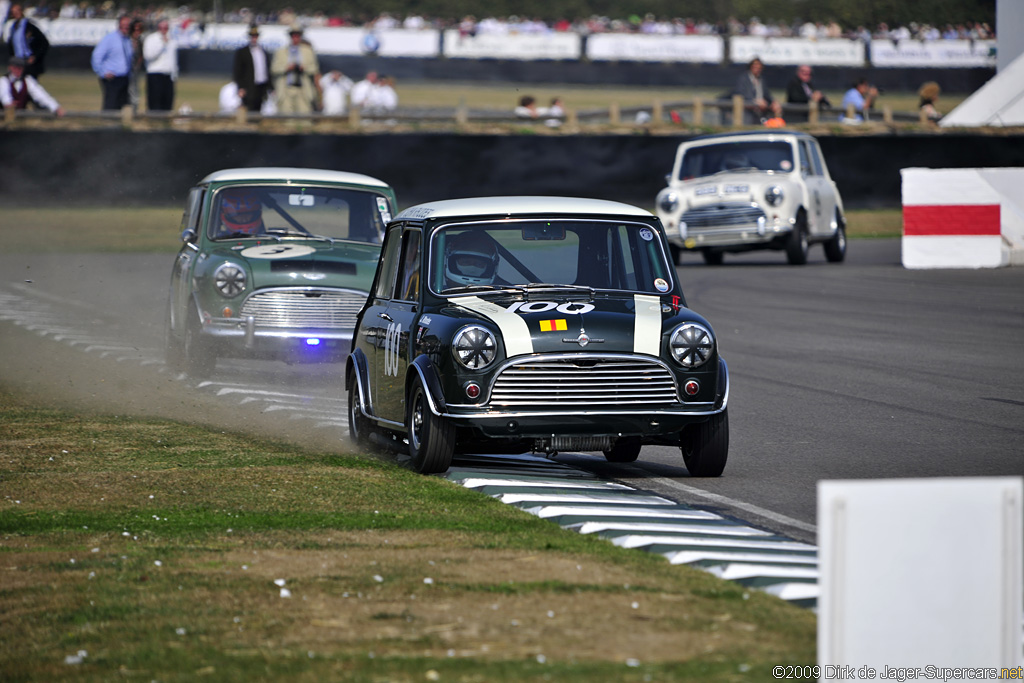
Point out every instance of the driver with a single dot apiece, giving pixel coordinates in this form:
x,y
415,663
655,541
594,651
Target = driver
x,y
471,259
241,211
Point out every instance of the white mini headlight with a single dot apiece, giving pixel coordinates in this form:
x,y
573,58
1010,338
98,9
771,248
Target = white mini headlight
x,y
774,195
474,347
691,345
668,202
229,279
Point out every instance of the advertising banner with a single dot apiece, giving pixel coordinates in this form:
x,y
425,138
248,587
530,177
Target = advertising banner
x,y
941,54
627,47
556,46
827,52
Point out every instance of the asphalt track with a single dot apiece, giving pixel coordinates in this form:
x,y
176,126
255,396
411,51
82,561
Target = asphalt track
x,y
850,371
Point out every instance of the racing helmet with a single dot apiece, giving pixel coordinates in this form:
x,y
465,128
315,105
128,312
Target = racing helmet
x,y
241,211
471,259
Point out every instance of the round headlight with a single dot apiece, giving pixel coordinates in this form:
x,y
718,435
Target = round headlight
x,y
773,195
474,347
668,202
229,280
691,345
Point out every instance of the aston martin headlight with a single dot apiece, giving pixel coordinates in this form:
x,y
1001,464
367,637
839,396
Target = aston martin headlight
x,y
229,280
773,195
668,202
692,345
474,347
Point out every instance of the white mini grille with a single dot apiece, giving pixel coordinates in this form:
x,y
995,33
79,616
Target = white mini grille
x,y
304,308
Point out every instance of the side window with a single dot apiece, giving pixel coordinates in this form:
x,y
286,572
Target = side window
x,y
819,165
388,264
190,219
409,274
805,161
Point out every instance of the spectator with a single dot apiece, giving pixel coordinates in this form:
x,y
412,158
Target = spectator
x,y
929,94
138,63
862,96
555,113
361,90
758,101
527,108
112,62
296,75
18,89
161,53
801,91
251,72
336,87
383,98
228,98
26,40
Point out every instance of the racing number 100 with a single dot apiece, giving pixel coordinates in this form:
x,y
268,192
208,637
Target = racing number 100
x,y
391,340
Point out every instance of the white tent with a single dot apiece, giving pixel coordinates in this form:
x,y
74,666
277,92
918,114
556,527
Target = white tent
x,y
1000,102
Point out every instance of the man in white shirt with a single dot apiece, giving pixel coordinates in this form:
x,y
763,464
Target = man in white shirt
x,y
160,51
361,90
17,90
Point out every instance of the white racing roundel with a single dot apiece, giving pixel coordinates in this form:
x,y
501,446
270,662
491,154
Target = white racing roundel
x,y
273,251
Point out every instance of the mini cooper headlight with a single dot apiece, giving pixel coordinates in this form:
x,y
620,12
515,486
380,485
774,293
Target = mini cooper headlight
x,y
474,347
229,280
668,202
774,195
691,345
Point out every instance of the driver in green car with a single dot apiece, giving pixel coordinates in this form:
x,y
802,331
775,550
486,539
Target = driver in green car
x,y
240,212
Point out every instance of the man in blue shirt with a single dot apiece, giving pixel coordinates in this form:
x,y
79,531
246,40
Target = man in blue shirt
x,y
112,62
26,41
862,96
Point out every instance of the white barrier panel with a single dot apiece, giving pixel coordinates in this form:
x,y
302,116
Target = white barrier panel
x,y
941,54
514,46
920,579
962,218
626,47
76,31
826,52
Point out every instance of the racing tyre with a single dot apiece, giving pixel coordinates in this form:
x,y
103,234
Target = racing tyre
x,y
199,356
713,257
835,248
431,438
797,244
358,426
705,446
174,349
626,449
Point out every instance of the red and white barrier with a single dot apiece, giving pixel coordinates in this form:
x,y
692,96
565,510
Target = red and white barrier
x,y
962,218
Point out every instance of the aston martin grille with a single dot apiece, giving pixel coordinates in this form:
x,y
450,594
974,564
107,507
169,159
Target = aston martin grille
x,y
304,308
723,216
591,382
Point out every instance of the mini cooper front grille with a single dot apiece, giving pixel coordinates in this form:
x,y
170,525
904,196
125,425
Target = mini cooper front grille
x,y
590,382
304,308
723,216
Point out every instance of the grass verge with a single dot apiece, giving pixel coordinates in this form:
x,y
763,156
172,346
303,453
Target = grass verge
x,y
150,549
128,229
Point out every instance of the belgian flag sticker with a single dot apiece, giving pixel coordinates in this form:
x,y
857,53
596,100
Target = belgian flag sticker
x,y
552,325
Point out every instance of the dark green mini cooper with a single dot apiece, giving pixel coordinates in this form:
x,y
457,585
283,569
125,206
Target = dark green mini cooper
x,y
275,263
545,324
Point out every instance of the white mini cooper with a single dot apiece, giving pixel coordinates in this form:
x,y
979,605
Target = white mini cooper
x,y
753,190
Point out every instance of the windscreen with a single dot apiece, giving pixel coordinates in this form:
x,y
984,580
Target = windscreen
x,y
299,211
583,253
707,160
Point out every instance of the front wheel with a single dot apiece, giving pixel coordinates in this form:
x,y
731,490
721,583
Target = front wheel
x,y
705,446
431,438
200,356
835,248
797,245
358,425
